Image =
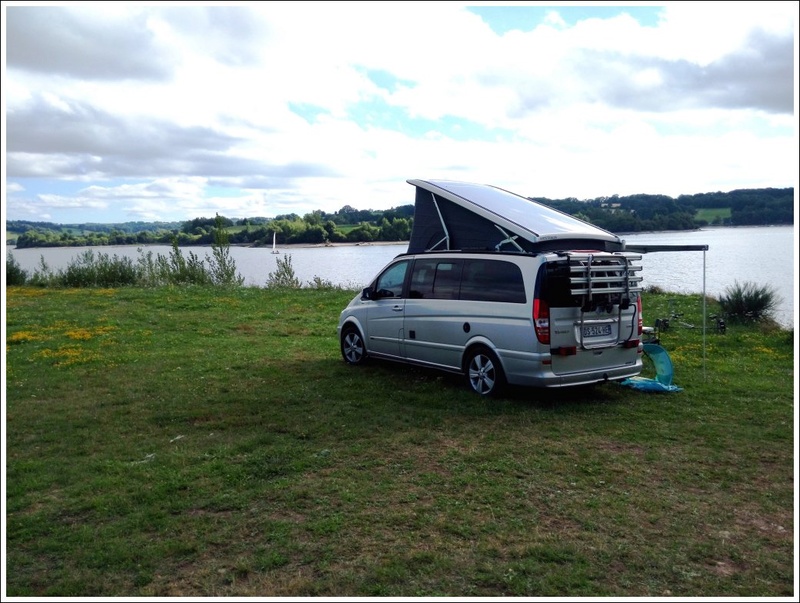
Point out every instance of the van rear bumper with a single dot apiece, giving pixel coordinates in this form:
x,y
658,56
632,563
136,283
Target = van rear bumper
x,y
535,371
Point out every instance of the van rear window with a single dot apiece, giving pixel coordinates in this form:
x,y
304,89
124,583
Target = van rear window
x,y
562,287
435,279
555,288
492,280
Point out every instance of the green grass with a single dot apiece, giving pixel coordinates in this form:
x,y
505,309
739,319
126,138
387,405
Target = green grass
x,y
205,442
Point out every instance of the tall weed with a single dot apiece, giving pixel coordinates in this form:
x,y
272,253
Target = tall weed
x,y
749,302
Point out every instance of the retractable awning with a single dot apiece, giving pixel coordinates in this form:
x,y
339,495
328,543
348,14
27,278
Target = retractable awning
x,y
654,248
645,248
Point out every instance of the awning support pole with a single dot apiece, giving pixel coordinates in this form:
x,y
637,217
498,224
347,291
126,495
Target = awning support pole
x,y
704,315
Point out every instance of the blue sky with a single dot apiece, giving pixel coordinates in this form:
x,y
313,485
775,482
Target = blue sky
x,y
117,112
506,17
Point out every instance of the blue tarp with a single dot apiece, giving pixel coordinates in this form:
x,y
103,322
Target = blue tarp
x,y
664,372
649,385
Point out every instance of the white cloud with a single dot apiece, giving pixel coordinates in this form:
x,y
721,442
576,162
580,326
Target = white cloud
x,y
157,109
702,32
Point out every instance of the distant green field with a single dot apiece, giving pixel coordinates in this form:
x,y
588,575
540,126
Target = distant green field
x,y
344,228
713,214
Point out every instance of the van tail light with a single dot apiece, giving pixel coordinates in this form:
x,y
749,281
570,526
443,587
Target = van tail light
x,y
541,320
639,312
564,351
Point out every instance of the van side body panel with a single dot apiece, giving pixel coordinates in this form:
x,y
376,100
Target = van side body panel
x,y
438,331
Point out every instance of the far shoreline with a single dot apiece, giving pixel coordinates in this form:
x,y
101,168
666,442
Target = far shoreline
x,y
242,245
12,243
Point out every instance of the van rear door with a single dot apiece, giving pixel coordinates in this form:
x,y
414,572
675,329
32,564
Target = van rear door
x,y
593,317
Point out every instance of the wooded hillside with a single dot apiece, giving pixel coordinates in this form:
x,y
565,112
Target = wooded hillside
x,y
632,213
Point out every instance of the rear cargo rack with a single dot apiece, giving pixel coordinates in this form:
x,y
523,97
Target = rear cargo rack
x,y
605,280
596,273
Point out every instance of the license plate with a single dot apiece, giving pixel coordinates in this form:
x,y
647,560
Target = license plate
x,y
596,330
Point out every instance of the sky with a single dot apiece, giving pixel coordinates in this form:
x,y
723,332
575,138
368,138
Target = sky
x,y
123,111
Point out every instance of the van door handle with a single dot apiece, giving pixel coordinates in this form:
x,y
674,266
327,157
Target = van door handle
x,y
397,308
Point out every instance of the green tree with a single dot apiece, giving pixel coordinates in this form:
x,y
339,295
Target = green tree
x,y
314,218
363,233
332,233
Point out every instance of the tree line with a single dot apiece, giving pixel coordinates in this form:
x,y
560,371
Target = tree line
x,y
644,213
618,214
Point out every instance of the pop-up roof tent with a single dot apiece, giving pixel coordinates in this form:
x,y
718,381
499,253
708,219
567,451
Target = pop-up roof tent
x,y
464,216
451,215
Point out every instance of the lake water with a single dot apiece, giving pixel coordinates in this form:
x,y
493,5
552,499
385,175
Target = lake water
x,y
761,255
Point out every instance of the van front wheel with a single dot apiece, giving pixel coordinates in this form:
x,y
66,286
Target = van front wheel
x,y
483,371
352,346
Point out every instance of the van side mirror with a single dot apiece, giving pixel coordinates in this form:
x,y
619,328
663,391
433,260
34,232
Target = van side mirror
x,y
367,293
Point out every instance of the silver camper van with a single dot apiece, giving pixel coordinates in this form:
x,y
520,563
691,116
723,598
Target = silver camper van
x,y
504,291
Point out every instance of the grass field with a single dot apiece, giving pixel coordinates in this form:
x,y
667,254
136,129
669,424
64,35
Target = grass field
x,y
205,442
711,215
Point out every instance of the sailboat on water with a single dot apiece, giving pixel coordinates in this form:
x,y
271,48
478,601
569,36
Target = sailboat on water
x,y
274,248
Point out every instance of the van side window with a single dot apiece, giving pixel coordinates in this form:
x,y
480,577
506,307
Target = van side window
x,y
390,283
435,279
492,280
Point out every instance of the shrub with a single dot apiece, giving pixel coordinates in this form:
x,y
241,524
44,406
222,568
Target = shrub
x,y
88,270
148,269
175,269
221,266
15,275
748,302
322,284
43,275
183,271
284,276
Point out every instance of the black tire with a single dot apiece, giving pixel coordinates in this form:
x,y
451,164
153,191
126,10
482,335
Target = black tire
x,y
352,346
483,372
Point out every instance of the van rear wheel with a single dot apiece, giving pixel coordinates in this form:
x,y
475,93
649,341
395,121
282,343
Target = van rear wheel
x,y
483,371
